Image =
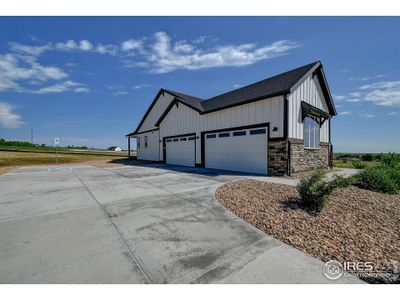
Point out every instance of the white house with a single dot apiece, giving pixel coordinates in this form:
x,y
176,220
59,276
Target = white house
x,y
115,148
276,126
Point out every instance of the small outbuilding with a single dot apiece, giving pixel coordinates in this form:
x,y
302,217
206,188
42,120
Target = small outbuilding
x,y
115,148
277,126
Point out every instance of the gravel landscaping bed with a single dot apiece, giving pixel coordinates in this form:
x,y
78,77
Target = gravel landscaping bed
x,y
356,224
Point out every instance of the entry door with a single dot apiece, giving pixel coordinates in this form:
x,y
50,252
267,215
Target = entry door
x,y
238,150
181,151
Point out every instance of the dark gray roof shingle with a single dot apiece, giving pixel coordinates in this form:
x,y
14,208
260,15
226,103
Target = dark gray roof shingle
x,y
273,86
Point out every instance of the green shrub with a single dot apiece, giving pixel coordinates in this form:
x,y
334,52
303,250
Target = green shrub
x,y
391,159
367,157
314,191
340,182
382,179
358,164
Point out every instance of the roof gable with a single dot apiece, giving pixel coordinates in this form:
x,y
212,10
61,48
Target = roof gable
x,y
282,84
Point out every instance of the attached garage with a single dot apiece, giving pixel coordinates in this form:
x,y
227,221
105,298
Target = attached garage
x,y
180,150
261,128
243,150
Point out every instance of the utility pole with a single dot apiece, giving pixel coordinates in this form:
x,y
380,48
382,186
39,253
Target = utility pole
x,y
31,135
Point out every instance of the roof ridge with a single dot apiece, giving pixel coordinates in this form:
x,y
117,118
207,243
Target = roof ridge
x,y
268,78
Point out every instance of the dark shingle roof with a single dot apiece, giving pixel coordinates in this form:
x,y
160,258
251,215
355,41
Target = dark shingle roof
x,y
273,86
194,102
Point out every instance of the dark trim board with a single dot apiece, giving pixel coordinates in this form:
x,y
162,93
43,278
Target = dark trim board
x,y
147,131
164,160
203,133
265,97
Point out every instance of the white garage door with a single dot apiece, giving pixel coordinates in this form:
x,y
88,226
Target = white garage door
x,y
239,150
180,151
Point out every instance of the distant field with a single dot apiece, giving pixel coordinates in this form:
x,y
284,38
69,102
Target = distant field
x,y
24,158
66,151
343,164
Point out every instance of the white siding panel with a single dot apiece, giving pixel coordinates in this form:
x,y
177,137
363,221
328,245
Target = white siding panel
x,y
183,120
156,112
152,151
309,91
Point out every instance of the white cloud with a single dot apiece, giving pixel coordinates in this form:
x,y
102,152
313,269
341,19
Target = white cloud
x,y
366,115
85,45
67,46
394,113
353,100
366,78
63,87
107,49
140,86
132,44
236,86
166,56
31,50
16,68
338,97
8,119
386,93
355,94
120,93
344,113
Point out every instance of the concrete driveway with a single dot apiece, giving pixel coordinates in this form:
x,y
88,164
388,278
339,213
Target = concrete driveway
x,y
135,224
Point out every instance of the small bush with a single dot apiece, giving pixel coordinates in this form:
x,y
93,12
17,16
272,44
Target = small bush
x,y
340,182
391,160
382,179
367,157
314,191
358,164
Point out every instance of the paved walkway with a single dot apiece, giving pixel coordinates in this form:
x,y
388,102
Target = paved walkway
x,y
153,224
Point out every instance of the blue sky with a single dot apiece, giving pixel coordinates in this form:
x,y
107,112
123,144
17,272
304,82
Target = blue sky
x,y
89,80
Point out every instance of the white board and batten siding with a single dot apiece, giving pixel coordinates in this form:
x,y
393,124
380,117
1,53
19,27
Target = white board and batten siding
x,y
182,119
152,151
309,91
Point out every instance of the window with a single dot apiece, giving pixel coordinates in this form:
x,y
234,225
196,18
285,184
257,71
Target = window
x,y
257,131
211,136
183,139
239,133
145,141
138,142
169,141
222,135
311,132
192,138
175,140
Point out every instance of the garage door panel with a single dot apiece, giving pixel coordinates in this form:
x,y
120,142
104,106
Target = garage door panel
x,y
238,151
180,151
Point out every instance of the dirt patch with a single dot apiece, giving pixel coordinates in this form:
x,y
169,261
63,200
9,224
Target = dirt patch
x,y
356,225
112,163
4,170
